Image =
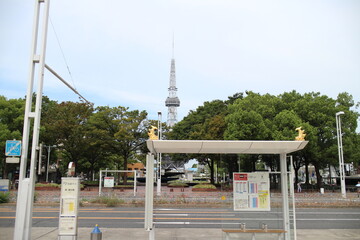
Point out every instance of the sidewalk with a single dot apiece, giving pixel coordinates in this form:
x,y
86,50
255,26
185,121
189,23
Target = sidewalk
x,y
181,234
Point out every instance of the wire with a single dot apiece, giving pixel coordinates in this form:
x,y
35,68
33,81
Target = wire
x,y
62,52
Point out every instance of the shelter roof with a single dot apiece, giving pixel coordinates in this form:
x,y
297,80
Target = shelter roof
x,y
230,147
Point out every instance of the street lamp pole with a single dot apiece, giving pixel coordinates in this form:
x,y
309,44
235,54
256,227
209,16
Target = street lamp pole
x,y
158,185
48,160
341,154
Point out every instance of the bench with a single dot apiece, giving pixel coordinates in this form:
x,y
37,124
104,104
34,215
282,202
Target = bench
x,y
253,231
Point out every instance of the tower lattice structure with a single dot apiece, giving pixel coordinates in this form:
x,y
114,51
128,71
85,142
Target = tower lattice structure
x,y
172,101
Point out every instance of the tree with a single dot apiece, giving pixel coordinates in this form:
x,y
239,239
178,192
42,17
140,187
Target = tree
x,y
206,123
11,118
126,131
65,126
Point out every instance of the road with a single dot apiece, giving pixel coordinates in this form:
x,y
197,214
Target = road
x,y
323,218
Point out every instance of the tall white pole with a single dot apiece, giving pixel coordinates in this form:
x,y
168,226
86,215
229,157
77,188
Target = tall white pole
x,y
149,195
285,196
47,166
158,185
292,194
25,199
341,154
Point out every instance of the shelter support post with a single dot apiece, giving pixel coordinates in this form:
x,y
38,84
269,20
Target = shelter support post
x,y
149,195
285,196
292,193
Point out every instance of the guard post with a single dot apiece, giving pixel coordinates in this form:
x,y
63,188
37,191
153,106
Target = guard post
x,y
69,205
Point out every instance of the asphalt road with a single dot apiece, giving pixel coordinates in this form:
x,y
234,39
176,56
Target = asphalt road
x,y
320,218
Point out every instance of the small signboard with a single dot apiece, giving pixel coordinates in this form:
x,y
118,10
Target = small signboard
x,y
251,191
109,182
4,185
12,160
13,148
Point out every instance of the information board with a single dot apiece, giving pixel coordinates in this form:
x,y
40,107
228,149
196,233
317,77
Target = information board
x,y
69,202
4,185
109,182
251,191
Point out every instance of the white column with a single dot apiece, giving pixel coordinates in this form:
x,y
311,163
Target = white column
x,y
149,195
135,183
341,154
100,182
292,193
285,196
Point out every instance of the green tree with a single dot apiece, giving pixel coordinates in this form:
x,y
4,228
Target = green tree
x,y
11,124
65,126
126,132
206,122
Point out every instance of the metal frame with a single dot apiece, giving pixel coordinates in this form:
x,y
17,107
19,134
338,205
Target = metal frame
x,y
117,171
206,146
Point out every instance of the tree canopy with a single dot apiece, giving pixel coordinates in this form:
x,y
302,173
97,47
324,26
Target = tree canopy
x,y
112,137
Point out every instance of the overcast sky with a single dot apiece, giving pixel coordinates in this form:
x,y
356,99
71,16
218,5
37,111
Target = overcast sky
x,y
119,52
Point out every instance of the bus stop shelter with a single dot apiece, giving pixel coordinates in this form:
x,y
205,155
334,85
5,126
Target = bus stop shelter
x,y
281,148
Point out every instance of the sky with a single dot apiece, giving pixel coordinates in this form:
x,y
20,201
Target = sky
x,y
118,52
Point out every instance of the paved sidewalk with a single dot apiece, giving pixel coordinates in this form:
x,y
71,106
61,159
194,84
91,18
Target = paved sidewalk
x,y
182,234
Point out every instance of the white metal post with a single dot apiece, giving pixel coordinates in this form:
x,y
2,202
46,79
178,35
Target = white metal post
x,y
149,195
341,154
40,158
158,185
100,182
285,198
48,161
23,220
292,193
135,183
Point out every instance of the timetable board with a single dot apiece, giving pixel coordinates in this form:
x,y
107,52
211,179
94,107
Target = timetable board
x,y
251,191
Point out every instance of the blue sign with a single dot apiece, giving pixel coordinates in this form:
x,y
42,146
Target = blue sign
x,y
13,148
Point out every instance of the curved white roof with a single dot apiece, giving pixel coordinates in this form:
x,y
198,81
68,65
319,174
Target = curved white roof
x,y
217,146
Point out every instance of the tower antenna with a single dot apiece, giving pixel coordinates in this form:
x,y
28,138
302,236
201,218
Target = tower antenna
x,y
173,46
172,101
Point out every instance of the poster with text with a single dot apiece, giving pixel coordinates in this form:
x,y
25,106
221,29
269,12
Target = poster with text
x,y
251,191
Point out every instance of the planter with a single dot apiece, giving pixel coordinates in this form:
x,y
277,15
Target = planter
x,y
204,190
47,188
127,187
177,186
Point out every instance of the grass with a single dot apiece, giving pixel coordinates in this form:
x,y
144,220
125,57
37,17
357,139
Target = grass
x,y
177,184
108,201
47,185
4,197
205,186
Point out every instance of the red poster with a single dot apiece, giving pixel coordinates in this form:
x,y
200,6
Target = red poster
x,y
240,177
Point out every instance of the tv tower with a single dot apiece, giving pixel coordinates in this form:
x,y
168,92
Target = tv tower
x,y
172,101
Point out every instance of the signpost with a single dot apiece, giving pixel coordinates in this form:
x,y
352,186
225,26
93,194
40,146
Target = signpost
x,y
13,148
69,204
